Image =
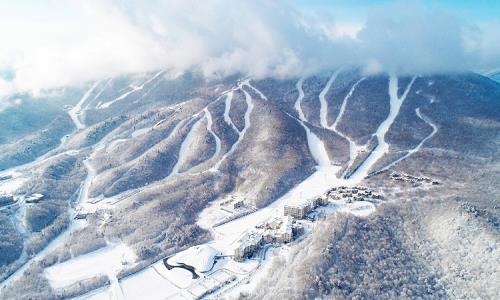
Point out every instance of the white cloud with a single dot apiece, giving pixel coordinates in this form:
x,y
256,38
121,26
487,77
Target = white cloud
x,y
60,43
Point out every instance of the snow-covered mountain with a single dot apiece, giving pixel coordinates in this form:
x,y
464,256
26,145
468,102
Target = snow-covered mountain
x,y
139,168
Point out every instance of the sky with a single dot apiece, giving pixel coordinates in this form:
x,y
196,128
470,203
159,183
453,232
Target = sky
x,y
48,44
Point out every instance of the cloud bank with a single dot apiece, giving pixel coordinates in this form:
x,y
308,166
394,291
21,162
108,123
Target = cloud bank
x,y
62,44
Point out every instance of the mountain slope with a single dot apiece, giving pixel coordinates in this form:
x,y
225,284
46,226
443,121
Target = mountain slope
x,y
151,155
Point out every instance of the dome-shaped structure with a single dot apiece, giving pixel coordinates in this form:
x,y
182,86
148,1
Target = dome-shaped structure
x,y
201,257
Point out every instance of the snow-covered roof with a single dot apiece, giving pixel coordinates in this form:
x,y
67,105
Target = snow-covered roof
x,y
286,226
200,257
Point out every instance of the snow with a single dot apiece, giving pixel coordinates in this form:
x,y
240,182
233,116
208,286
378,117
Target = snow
x,y
76,111
316,184
109,259
103,293
157,282
227,109
179,277
323,113
208,115
141,131
417,148
354,149
159,123
200,257
316,146
261,95
115,143
102,89
10,186
241,134
148,284
188,143
133,89
383,147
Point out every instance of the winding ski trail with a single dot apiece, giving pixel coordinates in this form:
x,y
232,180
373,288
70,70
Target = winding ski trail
x,y
133,89
316,146
241,134
354,149
382,146
76,111
417,148
218,146
323,112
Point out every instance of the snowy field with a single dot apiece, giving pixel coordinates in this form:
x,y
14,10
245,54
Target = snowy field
x,y
108,260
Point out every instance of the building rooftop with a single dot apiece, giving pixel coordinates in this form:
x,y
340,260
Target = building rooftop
x,y
200,257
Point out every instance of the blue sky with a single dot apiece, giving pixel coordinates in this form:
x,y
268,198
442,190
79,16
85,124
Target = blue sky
x,y
476,10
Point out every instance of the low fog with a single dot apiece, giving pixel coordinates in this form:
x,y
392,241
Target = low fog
x,y
56,44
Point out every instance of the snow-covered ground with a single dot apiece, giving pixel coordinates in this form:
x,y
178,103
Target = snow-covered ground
x,y
75,112
316,146
323,113
10,186
188,143
383,147
156,281
422,142
208,116
132,89
148,284
241,134
109,259
354,149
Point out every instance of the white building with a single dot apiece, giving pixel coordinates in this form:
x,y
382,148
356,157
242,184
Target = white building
x,y
247,246
286,230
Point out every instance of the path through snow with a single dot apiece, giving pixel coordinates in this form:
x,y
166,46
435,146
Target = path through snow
x,y
241,134
417,148
76,111
382,146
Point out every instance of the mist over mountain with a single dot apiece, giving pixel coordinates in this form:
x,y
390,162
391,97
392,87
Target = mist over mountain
x,y
70,43
248,150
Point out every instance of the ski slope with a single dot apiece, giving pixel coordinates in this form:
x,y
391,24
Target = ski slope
x,y
382,146
76,111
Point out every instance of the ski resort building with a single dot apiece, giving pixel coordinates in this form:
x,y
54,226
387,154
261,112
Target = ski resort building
x,y
200,258
247,246
299,211
286,230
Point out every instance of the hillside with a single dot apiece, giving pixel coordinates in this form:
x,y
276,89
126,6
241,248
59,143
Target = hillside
x,y
148,160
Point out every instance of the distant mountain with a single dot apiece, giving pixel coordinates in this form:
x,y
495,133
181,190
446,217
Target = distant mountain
x,y
145,155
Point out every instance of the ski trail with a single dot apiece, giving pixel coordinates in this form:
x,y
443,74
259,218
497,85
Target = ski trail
x,y
227,109
76,111
323,113
344,104
208,115
115,288
157,83
316,146
187,144
241,134
125,95
102,90
382,146
354,149
417,148
261,95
